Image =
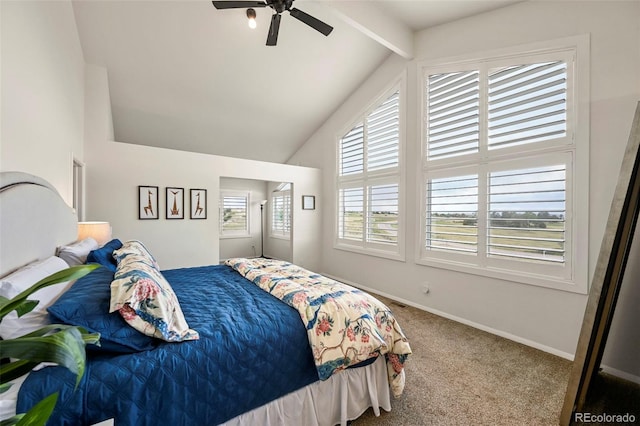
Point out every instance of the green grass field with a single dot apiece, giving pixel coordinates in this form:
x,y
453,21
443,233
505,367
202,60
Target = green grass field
x,y
451,233
384,227
536,242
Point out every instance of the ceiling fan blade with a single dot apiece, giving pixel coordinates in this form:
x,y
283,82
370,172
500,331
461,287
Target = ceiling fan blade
x,y
272,38
237,4
314,23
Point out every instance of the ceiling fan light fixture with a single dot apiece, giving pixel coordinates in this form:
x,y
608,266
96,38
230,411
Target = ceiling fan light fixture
x,y
279,7
251,14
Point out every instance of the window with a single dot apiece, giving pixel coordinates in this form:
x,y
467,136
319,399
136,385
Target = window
x,y
281,211
527,213
234,214
501,154
368,183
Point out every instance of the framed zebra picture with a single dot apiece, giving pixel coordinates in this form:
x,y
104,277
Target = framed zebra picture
x,y
198,203
147,202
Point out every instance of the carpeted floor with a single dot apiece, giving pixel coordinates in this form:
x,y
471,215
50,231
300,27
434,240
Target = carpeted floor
x,y
458,375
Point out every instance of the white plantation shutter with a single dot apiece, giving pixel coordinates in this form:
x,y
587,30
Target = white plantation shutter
x,y
527,212
452,121
351,214
352,151
369,169
281,213
527,103
382,224
503,150
233,215
373,144
383,134
452,214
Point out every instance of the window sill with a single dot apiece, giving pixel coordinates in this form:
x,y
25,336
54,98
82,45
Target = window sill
x,y
392,255
227,237
538,280
280,237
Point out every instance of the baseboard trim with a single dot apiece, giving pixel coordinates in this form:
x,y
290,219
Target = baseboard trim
x,y
621,374
509,336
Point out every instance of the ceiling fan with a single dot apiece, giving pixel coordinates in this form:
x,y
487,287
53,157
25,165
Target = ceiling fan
x,y
278,6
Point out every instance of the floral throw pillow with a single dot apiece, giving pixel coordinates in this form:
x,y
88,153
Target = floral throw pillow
x,y
135,248
147,302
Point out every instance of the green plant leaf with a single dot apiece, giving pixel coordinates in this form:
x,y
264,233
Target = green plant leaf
x,y
26,306
61,344
64,347
15,369
11,420
5,387
39,413
69,274
87,338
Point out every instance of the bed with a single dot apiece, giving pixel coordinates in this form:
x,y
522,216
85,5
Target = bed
x,y
247,357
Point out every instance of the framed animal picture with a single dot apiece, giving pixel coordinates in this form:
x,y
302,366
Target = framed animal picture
x,y
198,203
147,202
175,203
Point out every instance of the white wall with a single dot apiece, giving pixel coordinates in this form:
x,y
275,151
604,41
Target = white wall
x,y
45,122
42,91
114,171
544,318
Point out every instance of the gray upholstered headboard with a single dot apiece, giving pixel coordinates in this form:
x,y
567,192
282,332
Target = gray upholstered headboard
x,y
34,220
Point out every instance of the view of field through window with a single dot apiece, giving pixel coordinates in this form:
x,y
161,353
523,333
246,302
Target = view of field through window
x,y
381,223
525,214
234,214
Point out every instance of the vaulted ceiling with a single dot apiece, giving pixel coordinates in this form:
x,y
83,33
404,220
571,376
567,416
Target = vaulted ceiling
x,y
185,75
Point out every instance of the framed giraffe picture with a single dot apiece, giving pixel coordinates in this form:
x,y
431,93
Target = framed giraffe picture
x,y
148,202
198,203
175,203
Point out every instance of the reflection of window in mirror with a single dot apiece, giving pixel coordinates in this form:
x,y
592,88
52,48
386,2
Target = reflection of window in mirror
x,y
281,211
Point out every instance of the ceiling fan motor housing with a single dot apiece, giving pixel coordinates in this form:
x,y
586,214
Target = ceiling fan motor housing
x,y
280,5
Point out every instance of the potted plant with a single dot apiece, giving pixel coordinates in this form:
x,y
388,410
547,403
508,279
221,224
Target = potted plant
x,y
60,344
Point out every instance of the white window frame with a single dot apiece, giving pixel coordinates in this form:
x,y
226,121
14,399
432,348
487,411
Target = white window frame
x,y
366,179
285,234
245,233
574,150
78,179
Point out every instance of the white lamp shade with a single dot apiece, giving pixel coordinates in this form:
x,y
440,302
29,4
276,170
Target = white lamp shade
x,y
99,231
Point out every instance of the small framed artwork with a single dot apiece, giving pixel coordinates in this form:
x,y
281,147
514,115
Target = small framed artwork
x,y
198,203
175,203
147,202
308,202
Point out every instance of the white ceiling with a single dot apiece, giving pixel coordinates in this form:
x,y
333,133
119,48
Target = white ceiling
x,y
185,75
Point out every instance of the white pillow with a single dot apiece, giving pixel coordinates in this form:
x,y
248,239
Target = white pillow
x,y
20,280
17,282
12,326
76,253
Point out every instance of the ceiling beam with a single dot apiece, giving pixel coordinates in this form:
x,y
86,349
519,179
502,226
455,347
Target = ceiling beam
x,y
370,20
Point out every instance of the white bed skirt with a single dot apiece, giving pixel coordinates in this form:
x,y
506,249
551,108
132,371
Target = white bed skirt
x,y
342,397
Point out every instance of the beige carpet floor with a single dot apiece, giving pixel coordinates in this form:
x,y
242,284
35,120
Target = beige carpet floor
x,y
459,375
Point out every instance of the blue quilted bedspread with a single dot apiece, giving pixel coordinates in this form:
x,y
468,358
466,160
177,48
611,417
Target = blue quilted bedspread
x,y
252,350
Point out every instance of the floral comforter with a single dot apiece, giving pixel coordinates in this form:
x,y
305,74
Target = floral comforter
x,y
345,325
